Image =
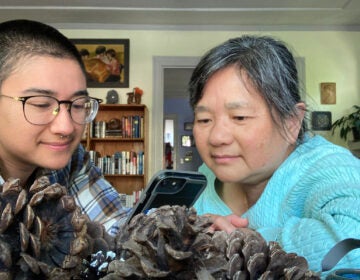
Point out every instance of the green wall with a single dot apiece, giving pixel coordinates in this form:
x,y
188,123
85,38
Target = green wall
x,y
330,56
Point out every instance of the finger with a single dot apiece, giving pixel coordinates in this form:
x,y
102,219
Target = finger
x,y
220,223
239,222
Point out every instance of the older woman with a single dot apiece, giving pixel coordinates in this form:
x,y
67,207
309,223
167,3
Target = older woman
x,y
263,169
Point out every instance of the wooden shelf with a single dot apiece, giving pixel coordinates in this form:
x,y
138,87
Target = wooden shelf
x,y
117,139
107,146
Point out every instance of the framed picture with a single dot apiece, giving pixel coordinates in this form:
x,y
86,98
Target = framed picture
x,y
187,141
321,120
188,125
328,93
106,61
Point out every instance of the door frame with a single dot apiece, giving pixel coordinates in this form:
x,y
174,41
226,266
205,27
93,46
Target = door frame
x,y
174,118
159,65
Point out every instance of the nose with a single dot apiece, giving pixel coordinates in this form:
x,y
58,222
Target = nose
x,y
63,123
221,133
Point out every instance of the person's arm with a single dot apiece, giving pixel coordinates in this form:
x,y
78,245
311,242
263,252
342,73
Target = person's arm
x,y
93,194
100,201
331,214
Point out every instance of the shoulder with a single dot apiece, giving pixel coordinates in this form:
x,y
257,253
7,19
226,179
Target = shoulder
x,y
314,163
316,149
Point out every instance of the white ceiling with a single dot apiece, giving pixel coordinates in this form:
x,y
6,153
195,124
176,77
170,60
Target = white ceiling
x,y
215,14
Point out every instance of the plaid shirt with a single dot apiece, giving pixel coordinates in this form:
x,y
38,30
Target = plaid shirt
x,y
92,193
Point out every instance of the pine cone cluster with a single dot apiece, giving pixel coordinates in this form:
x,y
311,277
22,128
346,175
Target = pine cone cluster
x,y
43,235
173,242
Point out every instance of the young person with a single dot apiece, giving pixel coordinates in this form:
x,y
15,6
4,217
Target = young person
x,y
44,107
264,169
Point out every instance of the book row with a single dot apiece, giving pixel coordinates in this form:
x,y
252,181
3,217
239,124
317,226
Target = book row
x,y
121,163
126,127
129,200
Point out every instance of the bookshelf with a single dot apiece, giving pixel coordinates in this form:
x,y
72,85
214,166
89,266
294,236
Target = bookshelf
x,y
118,143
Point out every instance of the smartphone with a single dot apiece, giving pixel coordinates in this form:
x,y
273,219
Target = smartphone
x,y
169,187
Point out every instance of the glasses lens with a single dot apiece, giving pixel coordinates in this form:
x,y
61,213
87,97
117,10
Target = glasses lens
x,y
84,109
40,109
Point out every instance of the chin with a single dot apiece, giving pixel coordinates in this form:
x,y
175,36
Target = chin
x,y
56,164
227,177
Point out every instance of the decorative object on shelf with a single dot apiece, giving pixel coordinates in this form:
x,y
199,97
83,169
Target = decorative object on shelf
x,y
112,97
114,123
347,123
134,97
106,61
328,93
321,120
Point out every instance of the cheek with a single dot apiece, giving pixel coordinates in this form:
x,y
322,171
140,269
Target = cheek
x,y
257,147
81,129
200,137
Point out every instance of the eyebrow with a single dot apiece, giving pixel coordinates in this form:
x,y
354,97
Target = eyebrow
x,y
236,105
229,106
50,92
199,109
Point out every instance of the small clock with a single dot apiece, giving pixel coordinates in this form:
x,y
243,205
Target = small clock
x,y
112,97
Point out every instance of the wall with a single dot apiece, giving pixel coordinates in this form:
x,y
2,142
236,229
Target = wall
x,y
330,56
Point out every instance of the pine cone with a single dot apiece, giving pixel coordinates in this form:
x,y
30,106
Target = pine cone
x,y
173,242
42,232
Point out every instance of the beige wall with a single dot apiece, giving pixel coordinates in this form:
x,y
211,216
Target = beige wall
x,y
330,56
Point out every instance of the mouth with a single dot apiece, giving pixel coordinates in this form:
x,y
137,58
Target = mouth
x,y
224,159
58,145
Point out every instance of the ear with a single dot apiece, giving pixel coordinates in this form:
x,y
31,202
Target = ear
x,y
294,123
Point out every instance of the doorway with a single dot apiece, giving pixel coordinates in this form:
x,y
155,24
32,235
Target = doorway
x,y
184,154
170,134
160,64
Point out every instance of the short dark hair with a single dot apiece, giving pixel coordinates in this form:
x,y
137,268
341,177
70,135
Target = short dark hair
x,y
268,64
22,38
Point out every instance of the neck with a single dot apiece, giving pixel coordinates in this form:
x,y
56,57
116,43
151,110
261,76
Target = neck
x,y
8,171
239,198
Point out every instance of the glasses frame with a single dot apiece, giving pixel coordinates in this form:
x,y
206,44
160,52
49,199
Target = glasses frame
x,y
69,103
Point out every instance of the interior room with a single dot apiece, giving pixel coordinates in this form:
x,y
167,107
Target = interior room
x,y
173,35
271,202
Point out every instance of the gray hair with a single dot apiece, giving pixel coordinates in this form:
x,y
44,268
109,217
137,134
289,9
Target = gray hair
x,y
269,65
21,39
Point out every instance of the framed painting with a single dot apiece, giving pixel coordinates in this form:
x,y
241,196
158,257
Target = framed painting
x,y
188,125
321,120
106,61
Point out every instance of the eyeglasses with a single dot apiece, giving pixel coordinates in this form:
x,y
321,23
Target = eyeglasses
x,y
42,109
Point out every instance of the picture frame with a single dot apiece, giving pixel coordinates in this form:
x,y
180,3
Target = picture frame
x,y
321,120
328,93
188,126
106,61
187,141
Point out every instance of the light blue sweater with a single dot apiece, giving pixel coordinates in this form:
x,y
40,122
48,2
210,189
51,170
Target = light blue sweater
x,y
310,203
